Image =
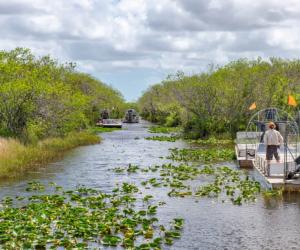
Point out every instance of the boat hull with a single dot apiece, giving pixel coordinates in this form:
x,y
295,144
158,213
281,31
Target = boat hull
x,y
109,123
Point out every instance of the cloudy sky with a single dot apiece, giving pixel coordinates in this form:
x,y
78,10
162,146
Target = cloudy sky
x,y
131,44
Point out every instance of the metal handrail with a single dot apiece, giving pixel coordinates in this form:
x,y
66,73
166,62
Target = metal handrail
x,y
290,152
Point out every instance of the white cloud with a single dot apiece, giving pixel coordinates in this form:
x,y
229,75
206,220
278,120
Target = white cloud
x,y
112,36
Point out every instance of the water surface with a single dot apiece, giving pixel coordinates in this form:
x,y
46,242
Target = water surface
x,y
209,223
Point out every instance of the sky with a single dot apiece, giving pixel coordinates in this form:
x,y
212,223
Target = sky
x,y
131,44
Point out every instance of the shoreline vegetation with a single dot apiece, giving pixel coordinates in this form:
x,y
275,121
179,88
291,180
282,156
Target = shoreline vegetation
x,y
216,102
47,108
17,158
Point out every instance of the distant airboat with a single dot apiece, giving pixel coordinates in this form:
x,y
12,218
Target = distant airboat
x,y
106,122
131,116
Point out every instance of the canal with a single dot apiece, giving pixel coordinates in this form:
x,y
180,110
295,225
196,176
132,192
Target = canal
x,y
209,223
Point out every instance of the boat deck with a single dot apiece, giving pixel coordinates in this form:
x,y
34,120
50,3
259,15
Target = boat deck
x,y
258,162
276,179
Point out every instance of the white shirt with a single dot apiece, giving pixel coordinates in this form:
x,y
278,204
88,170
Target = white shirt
x,y
273,137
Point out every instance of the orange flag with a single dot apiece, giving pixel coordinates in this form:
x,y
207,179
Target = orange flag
x,y
292,101
253,106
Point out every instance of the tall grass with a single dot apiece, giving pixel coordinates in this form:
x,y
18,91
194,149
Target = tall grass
x,y
17,158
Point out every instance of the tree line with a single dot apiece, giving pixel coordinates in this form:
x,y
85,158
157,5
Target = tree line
x,y
40,98
217,101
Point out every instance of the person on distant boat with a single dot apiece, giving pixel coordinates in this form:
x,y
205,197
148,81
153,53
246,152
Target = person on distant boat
x,y
104,114
272,140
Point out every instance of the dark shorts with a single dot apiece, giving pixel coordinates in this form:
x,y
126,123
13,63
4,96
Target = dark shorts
x,y
272,150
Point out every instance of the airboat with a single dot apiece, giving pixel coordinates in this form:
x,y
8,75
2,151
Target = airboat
x,y
106,122
131,116
251,151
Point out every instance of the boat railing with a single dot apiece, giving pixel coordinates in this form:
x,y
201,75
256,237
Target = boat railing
x,y
287,153
247,143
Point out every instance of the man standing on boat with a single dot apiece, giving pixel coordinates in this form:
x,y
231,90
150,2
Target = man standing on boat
x,y
272,140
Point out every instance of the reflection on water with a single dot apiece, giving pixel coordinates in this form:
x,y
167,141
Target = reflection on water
x,y
209,224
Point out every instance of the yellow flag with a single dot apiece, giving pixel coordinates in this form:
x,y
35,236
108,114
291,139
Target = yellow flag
x,y
292,101
253,106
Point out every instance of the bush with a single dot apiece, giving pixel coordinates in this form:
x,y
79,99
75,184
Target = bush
x,y
51,100
217,102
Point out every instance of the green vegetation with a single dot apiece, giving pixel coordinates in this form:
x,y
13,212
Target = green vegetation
x,y
208,155
83,218
212,142
173,131
45,107
16,158
223,181
40,98
163,138
102,130
163,129
230,182
217,102
130,169
273,193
